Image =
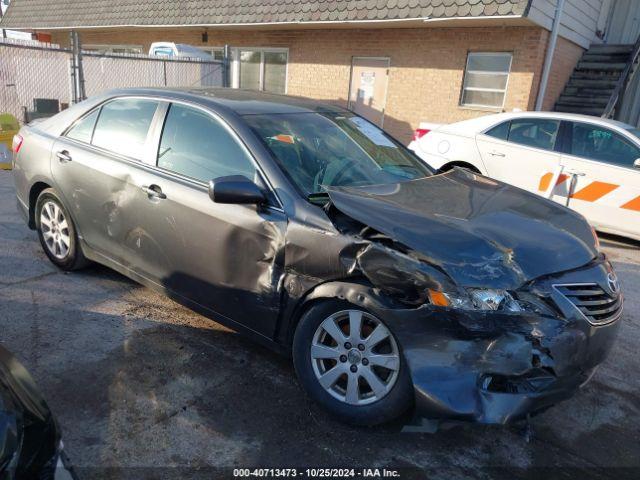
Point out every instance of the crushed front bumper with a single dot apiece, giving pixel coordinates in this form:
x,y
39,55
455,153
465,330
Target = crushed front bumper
x,y
494,367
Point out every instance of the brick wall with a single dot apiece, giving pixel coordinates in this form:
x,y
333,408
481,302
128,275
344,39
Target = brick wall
x,y
427,64
565,59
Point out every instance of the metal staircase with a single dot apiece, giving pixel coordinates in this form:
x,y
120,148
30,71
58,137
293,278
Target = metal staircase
x,y
599,80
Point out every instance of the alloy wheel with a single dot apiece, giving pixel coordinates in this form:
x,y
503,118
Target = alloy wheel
x,y
55,230
355,357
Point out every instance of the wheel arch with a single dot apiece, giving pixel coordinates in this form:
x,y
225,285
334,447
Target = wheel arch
x,y
359,292
34,192
458,163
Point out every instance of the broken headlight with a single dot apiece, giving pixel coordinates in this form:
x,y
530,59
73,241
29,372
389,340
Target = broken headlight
x,y
490,299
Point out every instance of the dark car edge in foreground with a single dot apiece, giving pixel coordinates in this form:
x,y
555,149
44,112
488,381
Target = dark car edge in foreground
x,y
310,229
30,445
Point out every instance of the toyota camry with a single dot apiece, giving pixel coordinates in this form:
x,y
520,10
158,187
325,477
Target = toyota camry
x,y
313,231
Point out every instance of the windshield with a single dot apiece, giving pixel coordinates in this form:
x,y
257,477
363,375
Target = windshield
x,y
317,150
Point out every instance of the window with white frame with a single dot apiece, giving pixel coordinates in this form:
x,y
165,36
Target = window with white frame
x,y
263,69
485,79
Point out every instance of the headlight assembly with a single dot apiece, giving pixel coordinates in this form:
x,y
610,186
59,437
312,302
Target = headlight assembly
x,y
476,299
490,299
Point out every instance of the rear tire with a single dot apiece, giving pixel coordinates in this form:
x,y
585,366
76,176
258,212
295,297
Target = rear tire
x,y
346,377
57,232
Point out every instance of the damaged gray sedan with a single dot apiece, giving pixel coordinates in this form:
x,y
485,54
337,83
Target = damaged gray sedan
x,y
313,231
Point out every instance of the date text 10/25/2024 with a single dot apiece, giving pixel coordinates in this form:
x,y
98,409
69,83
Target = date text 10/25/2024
x,y
316,473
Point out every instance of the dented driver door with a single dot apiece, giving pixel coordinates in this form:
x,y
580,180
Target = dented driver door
x,y
226,258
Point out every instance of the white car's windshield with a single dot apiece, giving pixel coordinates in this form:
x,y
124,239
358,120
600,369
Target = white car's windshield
x,y
334,149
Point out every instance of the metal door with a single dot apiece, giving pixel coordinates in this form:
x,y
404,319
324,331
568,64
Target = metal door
x,y
368,87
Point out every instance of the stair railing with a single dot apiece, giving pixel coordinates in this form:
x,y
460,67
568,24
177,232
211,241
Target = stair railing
x,y
627,75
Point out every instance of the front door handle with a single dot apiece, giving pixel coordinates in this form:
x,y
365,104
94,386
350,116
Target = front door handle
x,y
496,154
63,156
153,191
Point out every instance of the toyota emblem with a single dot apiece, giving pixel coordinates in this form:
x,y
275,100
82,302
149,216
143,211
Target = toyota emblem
x,y
612,280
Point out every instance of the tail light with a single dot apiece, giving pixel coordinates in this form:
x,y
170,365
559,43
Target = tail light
x,y
419,133
17,143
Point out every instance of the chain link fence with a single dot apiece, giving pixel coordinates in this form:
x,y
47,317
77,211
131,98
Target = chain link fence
x,y
37,80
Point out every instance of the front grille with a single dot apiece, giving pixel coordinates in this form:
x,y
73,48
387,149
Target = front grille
x,y
598,306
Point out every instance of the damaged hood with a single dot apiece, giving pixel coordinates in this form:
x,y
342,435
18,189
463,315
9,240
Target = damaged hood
x,y
481,232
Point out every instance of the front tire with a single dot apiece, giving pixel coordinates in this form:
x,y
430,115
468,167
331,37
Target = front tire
x,y
57,232
349,362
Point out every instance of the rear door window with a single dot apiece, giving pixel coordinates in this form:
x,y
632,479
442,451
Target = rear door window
x,y
534,132
123,126
82,131
196,145
601,144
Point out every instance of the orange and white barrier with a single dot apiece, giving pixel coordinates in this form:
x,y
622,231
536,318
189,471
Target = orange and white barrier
x,y
590,191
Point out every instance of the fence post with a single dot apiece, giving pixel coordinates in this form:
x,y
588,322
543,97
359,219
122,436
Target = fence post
x,y
77,73
226,67
164,70
73,70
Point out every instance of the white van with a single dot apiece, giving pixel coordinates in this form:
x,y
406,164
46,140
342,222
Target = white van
x,y
170,49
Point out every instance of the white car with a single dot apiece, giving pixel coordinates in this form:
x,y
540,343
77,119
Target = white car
x,y
590,164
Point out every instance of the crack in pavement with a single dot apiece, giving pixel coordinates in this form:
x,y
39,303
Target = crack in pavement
x,y
4,285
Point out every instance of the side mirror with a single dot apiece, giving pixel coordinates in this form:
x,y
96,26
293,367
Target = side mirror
x,y
636,164
236,189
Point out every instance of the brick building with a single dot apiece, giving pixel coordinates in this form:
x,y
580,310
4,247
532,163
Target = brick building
x,y
398,62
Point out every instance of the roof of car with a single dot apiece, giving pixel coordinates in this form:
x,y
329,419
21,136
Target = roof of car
x,y
242,102
479,124
566,116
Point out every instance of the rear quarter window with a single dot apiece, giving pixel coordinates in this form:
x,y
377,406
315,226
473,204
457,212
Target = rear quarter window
x,y
123,125
500,131
82,131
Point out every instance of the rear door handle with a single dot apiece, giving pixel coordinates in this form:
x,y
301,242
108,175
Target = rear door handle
x,y
574,172
496,154
63,156
153,191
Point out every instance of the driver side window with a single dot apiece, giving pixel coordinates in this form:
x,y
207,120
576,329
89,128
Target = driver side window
x,y
198,146
601,144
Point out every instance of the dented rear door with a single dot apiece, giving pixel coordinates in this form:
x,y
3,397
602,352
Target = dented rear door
x,y
97,192
92,164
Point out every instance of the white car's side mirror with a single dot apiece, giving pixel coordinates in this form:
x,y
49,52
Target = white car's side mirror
x,y
636,163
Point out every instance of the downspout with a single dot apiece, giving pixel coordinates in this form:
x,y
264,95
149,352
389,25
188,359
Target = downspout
x,y
548,60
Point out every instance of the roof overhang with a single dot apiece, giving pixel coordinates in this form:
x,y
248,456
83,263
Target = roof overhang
x,y
482,21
